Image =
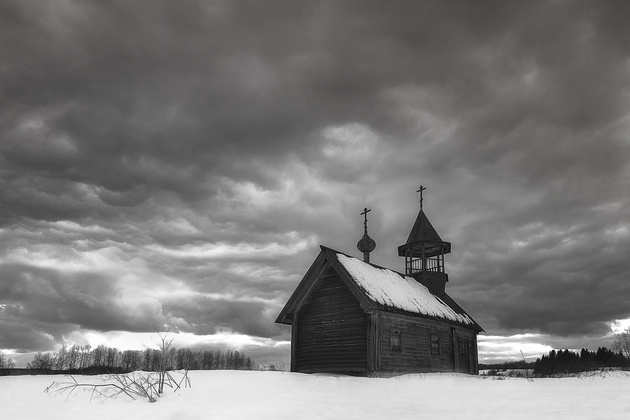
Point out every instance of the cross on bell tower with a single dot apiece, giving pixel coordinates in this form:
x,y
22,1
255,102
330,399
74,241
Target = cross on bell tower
x,y
366,244
422,188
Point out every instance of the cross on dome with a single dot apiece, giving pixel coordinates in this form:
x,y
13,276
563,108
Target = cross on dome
x,y
364,213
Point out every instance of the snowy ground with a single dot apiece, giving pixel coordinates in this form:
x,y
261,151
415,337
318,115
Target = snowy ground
x,y
275,395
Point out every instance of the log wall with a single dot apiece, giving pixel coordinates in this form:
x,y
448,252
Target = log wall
x,y
414,352
331,331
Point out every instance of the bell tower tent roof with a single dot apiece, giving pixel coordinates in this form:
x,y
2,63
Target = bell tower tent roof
x,y
424,235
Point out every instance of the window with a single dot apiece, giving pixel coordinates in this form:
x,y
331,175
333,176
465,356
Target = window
x,y
395,339
435,345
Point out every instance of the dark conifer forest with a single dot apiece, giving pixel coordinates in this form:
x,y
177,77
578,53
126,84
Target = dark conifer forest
x,y
566,361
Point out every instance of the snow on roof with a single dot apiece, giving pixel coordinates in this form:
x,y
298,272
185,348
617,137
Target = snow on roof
x,y
394,290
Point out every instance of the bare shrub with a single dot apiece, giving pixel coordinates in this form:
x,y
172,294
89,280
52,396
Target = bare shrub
x,y
144,385
164,365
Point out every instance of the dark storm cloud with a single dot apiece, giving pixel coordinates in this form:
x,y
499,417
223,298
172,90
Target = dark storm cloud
x,y
549,277
126,88
208,147
60,297
24,335
207,316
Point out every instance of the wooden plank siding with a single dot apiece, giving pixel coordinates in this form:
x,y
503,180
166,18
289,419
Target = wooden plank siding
x,y
465,348
331,330
415,353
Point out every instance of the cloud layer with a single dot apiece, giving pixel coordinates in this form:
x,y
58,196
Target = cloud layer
x,y
180,162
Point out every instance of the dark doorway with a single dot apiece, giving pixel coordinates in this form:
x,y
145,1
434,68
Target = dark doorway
x,y
464,356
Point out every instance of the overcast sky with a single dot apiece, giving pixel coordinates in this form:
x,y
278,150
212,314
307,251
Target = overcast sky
x,y
179,163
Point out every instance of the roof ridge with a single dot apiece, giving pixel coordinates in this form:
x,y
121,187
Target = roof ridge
x,y
360,260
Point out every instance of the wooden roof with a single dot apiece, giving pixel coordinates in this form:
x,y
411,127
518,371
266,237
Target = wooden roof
x,y
386,290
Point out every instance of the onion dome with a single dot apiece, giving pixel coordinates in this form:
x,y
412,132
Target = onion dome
x,y
366,244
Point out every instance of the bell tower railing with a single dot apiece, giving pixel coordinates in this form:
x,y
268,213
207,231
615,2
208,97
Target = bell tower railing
x,y
415,263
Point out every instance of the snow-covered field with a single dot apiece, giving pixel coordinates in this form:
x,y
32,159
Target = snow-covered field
x,y
276,395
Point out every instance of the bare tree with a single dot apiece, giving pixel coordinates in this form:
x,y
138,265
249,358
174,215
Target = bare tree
x,y
112,358
41,361
6,363
72,357
85,357
60,360
99,355
621,343
131,360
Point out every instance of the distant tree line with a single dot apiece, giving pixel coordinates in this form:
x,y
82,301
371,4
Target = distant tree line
x,y
565,361
514,364
103,359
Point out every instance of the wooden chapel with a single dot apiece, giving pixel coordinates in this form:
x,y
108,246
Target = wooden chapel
x,y
350,316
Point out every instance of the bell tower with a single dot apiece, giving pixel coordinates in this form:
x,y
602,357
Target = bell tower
x,y
424,253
